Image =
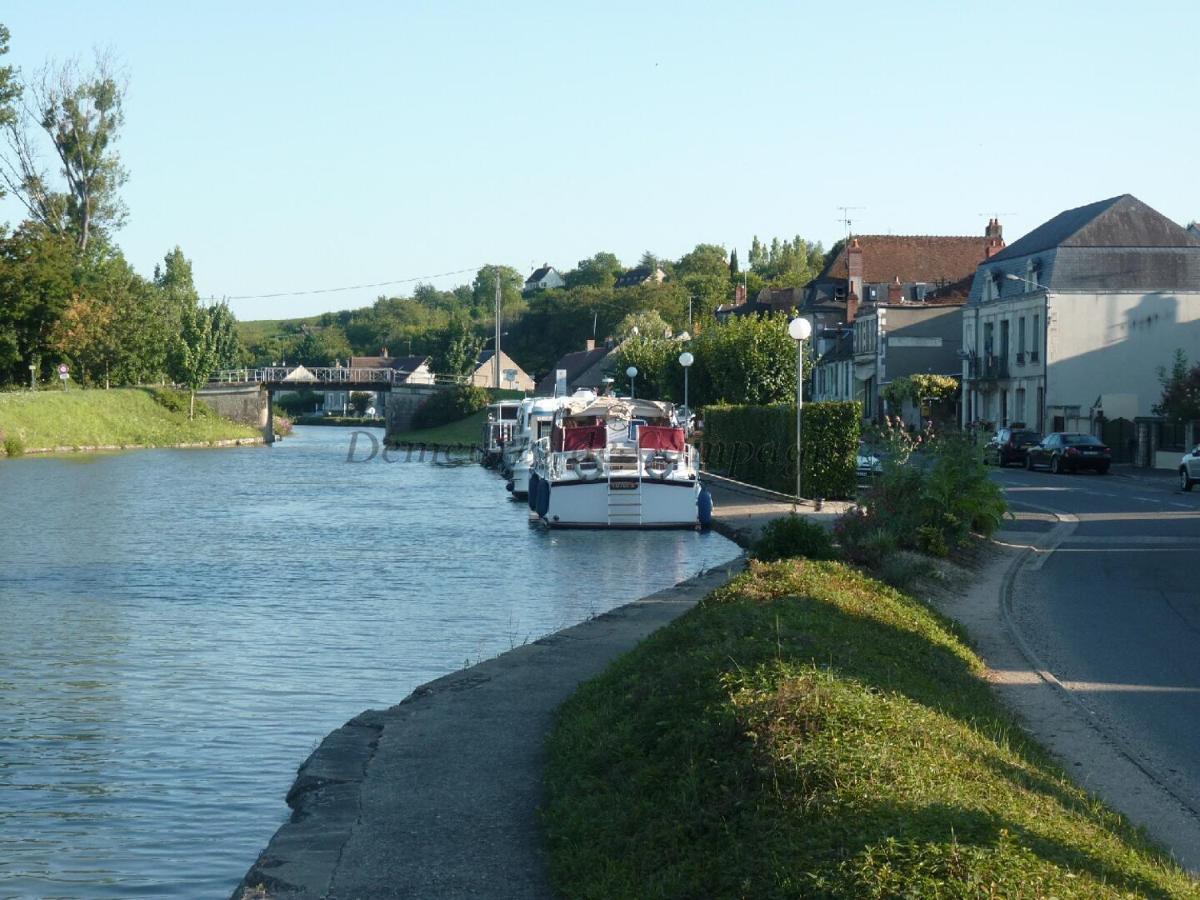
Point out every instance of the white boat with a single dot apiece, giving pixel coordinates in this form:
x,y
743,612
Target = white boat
x,y
615,462
497,431
535,419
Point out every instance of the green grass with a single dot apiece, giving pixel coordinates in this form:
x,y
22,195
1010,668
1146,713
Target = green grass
x,y
132,416
810,732
466,431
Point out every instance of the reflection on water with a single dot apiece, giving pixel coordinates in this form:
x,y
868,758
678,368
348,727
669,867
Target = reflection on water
x,y
179,629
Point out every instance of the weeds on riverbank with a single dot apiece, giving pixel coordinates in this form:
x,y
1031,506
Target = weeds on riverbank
x,y
810,732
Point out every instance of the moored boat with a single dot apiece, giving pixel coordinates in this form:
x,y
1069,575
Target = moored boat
x,y
615,462
535,419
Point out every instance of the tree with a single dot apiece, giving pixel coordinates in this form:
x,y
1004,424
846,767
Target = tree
x,y
360,401
82,115
648,324
459,349
745,360
196,352
36,283
599,271
10,89
705,259
1181,391
733,263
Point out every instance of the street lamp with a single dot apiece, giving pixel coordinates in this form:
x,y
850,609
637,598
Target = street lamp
x,y
1031,286
686,359
800,330
632,373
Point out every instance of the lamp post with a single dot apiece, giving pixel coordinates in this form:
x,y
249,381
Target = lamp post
x,y
686,359
1037,286
799,329
632,373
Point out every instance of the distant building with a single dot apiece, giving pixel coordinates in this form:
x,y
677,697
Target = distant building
x,y
585,368
639,276
484,374
1066,328
544,278
409,370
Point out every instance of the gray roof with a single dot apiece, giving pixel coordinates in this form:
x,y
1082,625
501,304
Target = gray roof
x,y
1123,221
1118,244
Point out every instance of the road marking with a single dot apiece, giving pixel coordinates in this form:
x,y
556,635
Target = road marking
x,y
1140,539
1105,686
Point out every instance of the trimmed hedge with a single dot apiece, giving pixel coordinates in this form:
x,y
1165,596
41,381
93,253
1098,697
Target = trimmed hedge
x,y
757,445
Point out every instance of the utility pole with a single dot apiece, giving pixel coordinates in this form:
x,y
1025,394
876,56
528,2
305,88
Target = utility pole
x,y
496,354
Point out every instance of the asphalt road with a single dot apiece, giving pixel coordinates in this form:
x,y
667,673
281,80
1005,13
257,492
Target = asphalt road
x,y
1113,611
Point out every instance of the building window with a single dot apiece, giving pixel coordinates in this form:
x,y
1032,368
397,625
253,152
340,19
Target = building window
x,y
1021,339
1034,340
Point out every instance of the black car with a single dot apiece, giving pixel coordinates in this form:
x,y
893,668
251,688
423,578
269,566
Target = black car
x,y
1008,445
1065,452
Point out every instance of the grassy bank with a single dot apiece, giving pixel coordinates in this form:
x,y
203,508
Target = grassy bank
x,y
97,418
463,432
809,732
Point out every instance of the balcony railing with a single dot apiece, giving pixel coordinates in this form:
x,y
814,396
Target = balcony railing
x,y
989,368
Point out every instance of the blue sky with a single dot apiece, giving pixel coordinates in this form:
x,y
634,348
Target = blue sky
x,y
295,146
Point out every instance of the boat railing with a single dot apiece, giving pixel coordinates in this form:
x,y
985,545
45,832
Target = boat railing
x,y
617,460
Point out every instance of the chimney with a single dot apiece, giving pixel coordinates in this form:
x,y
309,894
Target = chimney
x,y
851,307
993,238
854,265
895,291
591,344
739,295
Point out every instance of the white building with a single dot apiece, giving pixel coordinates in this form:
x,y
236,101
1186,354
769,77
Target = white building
x,y
1067,328
544,278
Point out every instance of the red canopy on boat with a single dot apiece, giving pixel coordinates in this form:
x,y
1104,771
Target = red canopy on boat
x,y
660,437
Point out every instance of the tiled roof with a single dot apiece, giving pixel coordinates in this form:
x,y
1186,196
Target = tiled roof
x,y
538,274
914,258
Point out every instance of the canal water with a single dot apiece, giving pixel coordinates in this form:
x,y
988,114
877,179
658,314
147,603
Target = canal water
x,y
180,628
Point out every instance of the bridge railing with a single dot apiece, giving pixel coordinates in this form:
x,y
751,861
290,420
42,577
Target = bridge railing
x,y
330,376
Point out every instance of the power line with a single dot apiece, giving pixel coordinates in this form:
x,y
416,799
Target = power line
x,y
352,287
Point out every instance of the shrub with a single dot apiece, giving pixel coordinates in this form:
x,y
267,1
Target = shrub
x,y
933,492
177,401
450,406
791,536
864,539
13,445
757,444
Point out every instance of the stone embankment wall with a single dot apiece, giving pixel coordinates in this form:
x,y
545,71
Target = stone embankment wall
x,y
402,402
247,404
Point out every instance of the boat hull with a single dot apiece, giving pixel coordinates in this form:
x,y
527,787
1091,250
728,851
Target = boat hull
x,y
623,503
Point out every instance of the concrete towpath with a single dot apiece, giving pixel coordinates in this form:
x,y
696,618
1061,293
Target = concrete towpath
x,y
438,797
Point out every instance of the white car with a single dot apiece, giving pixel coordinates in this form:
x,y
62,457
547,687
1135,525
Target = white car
x,y
1189,469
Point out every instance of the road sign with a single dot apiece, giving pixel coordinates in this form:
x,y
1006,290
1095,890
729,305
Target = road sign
x,y
63,370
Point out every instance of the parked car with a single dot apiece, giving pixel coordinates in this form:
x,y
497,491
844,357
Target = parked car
x,y
1189,469
1008,445
1066,452
869,462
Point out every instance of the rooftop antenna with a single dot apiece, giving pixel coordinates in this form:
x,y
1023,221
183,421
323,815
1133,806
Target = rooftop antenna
x,y
846,220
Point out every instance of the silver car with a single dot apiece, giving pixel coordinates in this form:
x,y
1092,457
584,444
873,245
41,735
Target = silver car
x,y
1189,469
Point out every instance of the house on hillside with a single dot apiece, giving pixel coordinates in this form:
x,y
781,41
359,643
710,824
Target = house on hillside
x,y
1066,328
639,276
584,368
542,279
484,373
